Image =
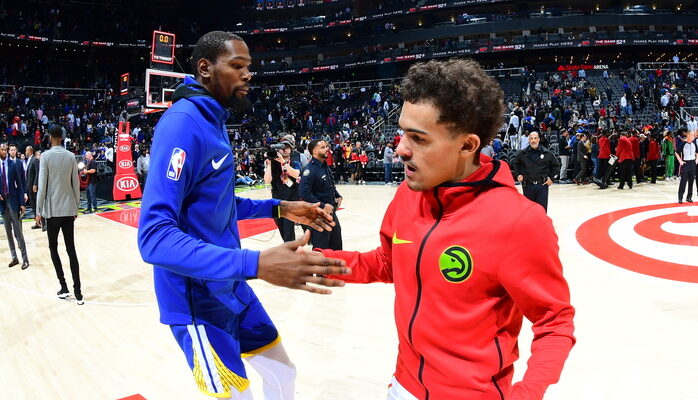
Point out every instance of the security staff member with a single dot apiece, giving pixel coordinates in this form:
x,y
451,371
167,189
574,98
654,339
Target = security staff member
x,y
317,185
536,167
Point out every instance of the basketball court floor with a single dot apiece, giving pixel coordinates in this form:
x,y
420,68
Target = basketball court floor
x,y
630,257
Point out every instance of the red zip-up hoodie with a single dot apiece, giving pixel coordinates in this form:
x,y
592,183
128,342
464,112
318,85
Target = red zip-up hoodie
x,y
468,260
624,149
604,148
635,142
653,151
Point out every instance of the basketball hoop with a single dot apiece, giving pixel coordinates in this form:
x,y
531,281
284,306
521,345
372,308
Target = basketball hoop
x,y
159,88
153,110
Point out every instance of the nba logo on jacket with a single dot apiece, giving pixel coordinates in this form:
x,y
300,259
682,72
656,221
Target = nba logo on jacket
x,y
176,164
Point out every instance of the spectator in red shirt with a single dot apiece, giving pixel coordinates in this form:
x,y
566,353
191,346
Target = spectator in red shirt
x,y
358,160
624,151
637,165
604,153
363,160
37,138
15,125
652,157
330,158
396,141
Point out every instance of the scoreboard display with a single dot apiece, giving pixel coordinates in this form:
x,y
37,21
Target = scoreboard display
x,y
123,87
163,49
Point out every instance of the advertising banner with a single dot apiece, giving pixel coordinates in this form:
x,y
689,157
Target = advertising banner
x,y
126,185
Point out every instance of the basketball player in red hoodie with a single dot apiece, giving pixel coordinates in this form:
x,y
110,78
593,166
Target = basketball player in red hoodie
x,y
469,256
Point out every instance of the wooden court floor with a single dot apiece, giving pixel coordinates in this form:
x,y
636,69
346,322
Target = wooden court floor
x,y
637,333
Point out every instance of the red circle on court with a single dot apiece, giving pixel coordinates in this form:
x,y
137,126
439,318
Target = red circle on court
x,y
593,235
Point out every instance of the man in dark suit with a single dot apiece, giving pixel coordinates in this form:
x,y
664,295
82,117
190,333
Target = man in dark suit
x,y
32,182
12,202
582,160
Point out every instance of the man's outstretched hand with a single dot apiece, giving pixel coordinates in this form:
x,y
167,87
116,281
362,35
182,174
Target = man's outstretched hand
x,y
285,266
307,214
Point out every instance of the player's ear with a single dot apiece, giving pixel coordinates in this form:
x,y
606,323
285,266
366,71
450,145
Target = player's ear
x,y
204,67
470,143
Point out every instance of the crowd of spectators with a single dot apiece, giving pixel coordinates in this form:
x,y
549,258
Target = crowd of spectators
x,y
566,107
338,116
75,22
604,104
382,48
459,17
127,24
90,118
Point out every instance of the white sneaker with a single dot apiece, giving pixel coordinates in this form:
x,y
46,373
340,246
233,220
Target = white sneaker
x,y
80,301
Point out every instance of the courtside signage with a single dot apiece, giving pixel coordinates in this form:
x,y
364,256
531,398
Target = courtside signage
x,y
126,185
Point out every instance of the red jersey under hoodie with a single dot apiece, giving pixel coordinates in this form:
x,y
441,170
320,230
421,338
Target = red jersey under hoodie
x,y
468,260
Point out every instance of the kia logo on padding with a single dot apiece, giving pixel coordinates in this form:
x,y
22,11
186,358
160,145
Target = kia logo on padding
x,y
125,163
125,147
127,183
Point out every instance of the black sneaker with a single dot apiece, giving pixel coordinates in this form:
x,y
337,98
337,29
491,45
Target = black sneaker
x,y
80,299
689,200
63,293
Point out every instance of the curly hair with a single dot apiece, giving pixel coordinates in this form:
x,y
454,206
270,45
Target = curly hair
x,y
210,46
468,100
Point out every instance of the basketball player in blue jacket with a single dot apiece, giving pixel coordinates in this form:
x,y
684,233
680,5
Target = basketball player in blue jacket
x,y
188,231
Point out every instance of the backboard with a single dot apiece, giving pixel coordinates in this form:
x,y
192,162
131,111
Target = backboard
x,y
159,87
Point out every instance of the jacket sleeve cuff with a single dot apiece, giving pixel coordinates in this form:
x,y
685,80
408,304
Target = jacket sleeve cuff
x,y
251,264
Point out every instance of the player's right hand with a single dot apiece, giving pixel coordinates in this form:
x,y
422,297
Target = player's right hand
x,y
285,266
328,208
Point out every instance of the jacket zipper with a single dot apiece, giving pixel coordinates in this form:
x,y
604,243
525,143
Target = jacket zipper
x,y
190,300
501,363
419,289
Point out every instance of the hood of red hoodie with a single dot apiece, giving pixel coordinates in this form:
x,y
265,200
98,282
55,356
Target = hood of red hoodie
x,y
452,195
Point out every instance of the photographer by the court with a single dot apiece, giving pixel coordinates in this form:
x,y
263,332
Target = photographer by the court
x,y
283,173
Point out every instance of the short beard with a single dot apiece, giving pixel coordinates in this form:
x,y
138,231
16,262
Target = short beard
x,y
237,104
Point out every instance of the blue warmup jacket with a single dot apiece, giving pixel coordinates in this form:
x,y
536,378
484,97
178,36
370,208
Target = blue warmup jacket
x,y
188,223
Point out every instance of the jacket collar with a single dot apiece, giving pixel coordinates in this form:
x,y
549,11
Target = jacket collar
x,y
450,196
210,108
540,149
318,162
